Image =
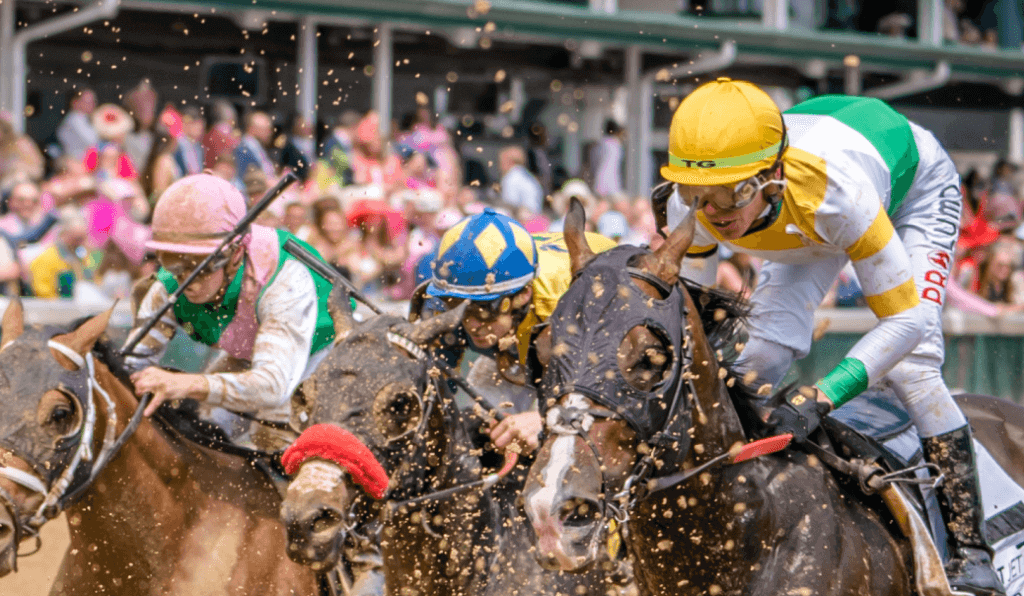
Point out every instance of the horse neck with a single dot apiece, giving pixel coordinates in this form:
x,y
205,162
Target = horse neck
x,y
716,424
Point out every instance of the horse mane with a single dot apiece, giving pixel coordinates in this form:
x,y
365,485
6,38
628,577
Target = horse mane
x,y
723,316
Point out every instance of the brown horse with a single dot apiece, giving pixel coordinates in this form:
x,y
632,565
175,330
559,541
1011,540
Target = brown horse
x,y
378,384
772,525
164,517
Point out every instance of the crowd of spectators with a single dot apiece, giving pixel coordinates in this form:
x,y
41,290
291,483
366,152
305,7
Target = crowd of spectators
x,y
73,218
74,213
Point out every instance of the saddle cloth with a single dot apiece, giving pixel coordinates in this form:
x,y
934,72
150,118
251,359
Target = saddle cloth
x,y
876,425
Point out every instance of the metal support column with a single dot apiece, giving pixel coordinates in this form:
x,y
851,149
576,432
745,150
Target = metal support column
x,y
306,90
929,22
637,129
775,14
6,42
383,73
1016,149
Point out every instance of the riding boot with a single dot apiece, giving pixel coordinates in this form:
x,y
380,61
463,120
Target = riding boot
x,y
970,565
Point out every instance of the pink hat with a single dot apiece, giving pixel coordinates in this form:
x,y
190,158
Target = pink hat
x,y
369,128
195,214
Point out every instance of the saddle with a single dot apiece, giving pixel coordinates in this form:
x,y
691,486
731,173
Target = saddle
x,y
875,428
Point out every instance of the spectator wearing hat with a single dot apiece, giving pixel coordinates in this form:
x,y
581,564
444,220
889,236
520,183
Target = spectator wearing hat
x,y
253,149
372,164
299,152
574,188
189,154
108,159
57,269
76,133
521,193
223,136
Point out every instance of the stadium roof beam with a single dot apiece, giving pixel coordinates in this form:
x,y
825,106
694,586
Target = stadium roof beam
x,y
12,83
919,81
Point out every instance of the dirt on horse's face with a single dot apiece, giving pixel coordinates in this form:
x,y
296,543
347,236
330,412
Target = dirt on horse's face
x,y
572,478
374,390
41,420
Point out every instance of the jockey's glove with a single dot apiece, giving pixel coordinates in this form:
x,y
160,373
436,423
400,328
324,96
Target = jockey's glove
x,y
798,415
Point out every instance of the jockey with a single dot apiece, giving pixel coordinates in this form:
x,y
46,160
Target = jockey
x,y
256,302
514,281
836,179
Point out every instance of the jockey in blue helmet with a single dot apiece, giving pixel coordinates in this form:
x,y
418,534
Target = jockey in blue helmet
x,y
513,280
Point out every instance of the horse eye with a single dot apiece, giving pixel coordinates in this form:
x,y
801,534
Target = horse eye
x,y
60,414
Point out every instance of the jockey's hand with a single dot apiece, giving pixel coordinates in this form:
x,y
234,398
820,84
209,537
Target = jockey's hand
x,y
166,385
522,429
800,415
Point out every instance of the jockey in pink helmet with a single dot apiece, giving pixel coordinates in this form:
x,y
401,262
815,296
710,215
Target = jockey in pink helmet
x,y
256,302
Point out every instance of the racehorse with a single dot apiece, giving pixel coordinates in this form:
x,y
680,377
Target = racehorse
x,y
378,383
635,391
165,516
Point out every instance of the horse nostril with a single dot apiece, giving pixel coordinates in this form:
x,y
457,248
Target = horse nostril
x,y
326,520
580,512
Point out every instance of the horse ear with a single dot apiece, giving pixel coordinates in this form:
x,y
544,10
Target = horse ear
x,y
425,330
669,255
82,339
575,236
341,310
13,324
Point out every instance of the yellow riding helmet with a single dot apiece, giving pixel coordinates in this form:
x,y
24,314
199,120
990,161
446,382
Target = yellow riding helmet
x,y
724,132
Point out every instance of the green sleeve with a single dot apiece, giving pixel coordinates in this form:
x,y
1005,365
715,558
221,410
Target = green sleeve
x,y
846,381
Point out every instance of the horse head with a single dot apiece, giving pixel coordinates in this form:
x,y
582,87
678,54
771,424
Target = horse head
x,y
48,423
376,384
616,382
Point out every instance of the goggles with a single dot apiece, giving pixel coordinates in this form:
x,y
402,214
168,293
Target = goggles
x,y
182,269
482,310
742,194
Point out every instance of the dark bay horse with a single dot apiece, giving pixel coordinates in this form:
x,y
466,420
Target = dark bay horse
x,y
378,384
771,525
164,517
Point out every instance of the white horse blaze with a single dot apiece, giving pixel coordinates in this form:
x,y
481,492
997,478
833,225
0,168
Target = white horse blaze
x,y
317,475
563,458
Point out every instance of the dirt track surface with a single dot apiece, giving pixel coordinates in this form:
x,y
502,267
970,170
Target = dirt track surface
x,y
35,573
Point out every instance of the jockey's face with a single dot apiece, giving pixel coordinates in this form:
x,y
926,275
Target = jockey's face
x,y
487,323
719,206
204,288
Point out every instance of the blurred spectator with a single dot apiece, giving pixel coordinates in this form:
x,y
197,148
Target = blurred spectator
x,y
253,149
608,161
467,201
332,237
76,133
1002,207
10,269
296,220
299,153
223,136
371,163
26,215
521,193
59,267
189,154
538,160
141,105
163,168
20,157
613,224
382,244
336,156
999,278
421,208
416,167
224,167
574,188
108,159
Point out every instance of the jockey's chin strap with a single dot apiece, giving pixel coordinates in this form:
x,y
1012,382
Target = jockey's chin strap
x,y
61,491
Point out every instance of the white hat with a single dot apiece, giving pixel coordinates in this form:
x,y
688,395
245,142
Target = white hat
x,y
612,224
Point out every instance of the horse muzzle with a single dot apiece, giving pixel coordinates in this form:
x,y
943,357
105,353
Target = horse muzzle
x,y
315,533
